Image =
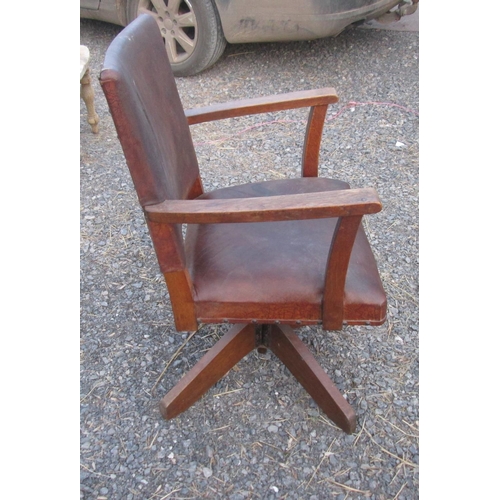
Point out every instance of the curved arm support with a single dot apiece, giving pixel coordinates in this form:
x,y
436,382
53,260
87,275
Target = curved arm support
x,y
336,271
312,141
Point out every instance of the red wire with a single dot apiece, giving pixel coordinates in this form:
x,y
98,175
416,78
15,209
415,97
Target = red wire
x,y
349,105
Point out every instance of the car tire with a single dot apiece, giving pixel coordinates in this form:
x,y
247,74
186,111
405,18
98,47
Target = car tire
x,y
191,29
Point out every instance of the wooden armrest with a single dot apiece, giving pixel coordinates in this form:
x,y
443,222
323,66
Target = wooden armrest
x,y
342,203
318,100
292,100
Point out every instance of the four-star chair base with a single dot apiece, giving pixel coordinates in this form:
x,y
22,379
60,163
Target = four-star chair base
x,y
239,341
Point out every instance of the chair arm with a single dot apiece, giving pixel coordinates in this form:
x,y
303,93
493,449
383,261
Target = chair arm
x,y
292,100
341,203
318,101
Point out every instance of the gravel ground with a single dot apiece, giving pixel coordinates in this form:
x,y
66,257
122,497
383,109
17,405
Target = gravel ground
x,y
256,434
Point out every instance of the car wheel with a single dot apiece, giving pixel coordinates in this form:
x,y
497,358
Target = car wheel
x,y
191,29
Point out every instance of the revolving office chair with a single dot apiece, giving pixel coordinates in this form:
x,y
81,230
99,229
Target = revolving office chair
x,y
266,256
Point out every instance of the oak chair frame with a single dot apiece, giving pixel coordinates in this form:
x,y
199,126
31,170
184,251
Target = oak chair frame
x,y
250,331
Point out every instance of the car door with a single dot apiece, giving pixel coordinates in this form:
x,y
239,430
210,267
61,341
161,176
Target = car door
x,y
89,4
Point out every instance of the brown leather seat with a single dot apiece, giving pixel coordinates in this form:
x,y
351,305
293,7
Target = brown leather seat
x,y
268,256
275,271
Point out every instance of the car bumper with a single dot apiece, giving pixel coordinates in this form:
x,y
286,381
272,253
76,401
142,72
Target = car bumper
x,y
287,20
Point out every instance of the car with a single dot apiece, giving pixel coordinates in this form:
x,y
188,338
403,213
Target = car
x,y
196,31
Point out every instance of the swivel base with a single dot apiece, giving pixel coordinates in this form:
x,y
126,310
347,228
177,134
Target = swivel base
x,y
235,345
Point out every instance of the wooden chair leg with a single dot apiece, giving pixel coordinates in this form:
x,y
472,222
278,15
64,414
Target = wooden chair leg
x,y
87,94
299,360
231,348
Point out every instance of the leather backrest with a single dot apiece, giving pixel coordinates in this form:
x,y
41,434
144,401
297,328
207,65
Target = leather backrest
x,y
140,88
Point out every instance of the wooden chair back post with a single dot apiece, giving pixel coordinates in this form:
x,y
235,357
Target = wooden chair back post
x,y
156,140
